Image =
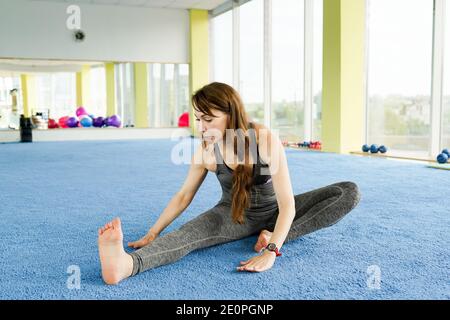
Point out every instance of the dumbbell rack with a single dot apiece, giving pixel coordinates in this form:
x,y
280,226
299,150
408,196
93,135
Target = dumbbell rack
x,y
295,146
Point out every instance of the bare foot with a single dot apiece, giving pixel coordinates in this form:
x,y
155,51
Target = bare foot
x,y
263,240
116,263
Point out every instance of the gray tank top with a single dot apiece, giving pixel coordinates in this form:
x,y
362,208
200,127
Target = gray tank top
x,y
262,195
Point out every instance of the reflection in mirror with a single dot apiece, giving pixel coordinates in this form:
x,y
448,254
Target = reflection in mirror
x,y
61,94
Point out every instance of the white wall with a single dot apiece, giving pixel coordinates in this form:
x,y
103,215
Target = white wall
x,y
37,30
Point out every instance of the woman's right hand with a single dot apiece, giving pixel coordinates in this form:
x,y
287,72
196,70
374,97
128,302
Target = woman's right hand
x,y
145,240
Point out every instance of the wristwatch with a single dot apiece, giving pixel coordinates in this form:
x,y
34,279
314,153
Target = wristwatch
x,y
273,247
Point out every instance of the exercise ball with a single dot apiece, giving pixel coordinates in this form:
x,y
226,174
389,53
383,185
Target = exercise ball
x,y
113,121
63,122
86,121
80,111
99,122
72,122
365,148
183,120
52,124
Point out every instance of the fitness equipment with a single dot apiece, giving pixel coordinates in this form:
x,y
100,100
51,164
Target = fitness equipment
x,y
183,120
305,144
63,122
374,148
72,122
99,122
315,145
443,156
446,152
113,121
86,121
52,124
382,149
81,111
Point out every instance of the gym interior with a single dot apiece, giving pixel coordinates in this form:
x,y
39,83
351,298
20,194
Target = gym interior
x,y
96,122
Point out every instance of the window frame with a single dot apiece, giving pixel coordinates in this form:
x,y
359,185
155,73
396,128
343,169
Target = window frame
x,y
308,48
436,89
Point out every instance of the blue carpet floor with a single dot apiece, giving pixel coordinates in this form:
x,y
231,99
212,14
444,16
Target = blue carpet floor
x,y
55,195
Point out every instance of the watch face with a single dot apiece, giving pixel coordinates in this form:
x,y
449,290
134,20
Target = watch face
x,y
271,246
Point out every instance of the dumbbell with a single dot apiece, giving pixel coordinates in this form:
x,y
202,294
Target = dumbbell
x,y
443,156
302,144
374,148
315,145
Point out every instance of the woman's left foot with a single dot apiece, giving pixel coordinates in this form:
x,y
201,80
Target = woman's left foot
x,y
263,240
116,263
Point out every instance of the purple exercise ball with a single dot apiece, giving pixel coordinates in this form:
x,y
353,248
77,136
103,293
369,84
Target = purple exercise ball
x,y
72,122
113,121
99,122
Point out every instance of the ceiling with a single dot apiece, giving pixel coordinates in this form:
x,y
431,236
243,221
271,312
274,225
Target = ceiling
x,y
169,4
10,66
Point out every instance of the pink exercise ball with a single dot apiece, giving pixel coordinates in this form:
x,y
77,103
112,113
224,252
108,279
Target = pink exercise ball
x,y
81,112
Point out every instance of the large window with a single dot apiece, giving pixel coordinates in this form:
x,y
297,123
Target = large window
x,y
168,93
288,68
399,75
56,92
251,58
97,91
8,104
285,76
222,44
124,88
446,93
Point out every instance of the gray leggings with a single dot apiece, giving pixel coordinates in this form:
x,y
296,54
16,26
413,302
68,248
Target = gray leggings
x,y
315,210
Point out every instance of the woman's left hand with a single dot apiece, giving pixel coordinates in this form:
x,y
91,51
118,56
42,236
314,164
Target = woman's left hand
x,y
259,263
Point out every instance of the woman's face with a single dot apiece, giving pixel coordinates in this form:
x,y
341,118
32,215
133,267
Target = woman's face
x,y
211,128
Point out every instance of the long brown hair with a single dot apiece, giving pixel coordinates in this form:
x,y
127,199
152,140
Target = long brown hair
x,y
222,97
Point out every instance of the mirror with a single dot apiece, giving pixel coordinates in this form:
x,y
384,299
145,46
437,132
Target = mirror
x,y
57,94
